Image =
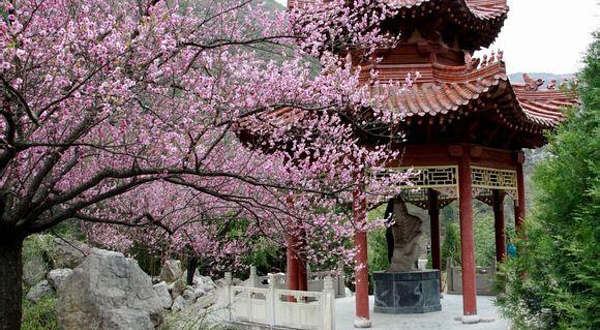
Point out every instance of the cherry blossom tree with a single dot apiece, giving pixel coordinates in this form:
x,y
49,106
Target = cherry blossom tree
x,y
167,121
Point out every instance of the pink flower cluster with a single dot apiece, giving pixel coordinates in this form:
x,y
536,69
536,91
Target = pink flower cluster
x,y
125,115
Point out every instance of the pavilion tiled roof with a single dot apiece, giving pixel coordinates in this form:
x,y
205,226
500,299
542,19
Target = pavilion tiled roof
x,y
453,89
482,9
475,23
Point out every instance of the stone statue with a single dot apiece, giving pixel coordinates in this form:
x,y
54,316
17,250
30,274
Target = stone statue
x,y
406,231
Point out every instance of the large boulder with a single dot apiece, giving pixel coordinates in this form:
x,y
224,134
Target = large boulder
x,y
57,276
170,271
108,292
39,291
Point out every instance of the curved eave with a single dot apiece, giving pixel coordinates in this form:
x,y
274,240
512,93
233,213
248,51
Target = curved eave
x,y
456,93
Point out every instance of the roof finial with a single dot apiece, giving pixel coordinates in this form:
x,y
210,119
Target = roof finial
x,y
471,62
530,84
492,58
484,63
552,85
499,55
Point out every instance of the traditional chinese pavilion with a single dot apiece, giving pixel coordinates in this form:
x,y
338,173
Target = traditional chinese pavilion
x,y
466,126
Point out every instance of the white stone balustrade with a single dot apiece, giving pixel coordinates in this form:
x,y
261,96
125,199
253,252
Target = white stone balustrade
x,y
272,306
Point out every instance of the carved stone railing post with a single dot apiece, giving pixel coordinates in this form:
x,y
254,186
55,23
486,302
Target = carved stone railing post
x,y
341,280
253,279
227,292
271,301
328,304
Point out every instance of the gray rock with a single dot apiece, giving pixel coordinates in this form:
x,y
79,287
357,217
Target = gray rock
x,y
170,271
199,292
109,292
35,268
178,304
57,276
189,295
35,260
67,255
163,294
39,291
177,288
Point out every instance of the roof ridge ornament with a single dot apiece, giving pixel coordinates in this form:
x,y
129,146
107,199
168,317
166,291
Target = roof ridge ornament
x,y
474,63
531,84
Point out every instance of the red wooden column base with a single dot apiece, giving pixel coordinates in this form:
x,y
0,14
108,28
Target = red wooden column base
x,y
362,272
469,283
292,268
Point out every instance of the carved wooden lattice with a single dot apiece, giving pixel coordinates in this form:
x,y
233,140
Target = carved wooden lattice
x,y
493,178
443,179
430,177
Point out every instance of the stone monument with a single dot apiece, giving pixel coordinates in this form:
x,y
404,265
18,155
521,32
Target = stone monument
x,y
403,289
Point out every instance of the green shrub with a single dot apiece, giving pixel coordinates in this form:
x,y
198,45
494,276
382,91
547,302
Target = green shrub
x,y
451,245
485,240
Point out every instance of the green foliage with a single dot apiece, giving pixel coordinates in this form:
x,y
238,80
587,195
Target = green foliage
x,y
267,256
40,316
451,245
485,240
377,245
560,288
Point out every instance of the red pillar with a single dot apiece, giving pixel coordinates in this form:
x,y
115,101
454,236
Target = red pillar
x,y
520,203
302,274
292,266
434,217
499,225
469,283
362,273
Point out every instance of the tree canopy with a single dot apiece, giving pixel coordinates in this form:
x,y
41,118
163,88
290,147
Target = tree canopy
x,y
554,283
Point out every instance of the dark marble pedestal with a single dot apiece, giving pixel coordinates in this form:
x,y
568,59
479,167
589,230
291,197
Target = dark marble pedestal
x,y
407,292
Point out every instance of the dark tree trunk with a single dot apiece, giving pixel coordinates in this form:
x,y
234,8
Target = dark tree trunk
x,y
11,283
191,269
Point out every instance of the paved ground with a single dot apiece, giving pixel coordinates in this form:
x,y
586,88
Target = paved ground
x,y
443,320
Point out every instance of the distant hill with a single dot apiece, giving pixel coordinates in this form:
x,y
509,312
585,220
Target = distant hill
x,y
518,77
274,5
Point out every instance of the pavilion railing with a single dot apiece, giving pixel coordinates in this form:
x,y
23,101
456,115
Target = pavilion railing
x,y
274,307
316,281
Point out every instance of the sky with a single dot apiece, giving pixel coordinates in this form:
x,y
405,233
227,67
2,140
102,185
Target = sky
x,y
546,35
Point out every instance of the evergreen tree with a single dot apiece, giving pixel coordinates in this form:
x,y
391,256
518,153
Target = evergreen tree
x,y
554,282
